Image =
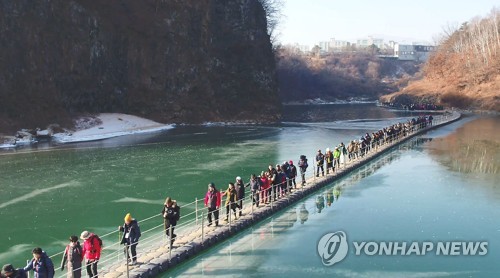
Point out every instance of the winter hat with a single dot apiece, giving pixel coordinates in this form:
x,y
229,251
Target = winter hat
x,y
128,217
238,178
7,268
85,235
290,162
327,149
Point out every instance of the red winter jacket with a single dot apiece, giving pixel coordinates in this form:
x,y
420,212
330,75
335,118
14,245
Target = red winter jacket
x,y
89,252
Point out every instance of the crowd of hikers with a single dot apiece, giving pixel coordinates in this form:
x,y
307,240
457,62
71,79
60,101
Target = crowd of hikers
x,y
414,106
275,182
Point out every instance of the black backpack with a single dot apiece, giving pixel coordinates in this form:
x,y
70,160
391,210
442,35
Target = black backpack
x,y
304,164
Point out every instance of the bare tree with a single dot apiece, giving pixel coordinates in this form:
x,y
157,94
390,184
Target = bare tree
x,y
449,30
274,15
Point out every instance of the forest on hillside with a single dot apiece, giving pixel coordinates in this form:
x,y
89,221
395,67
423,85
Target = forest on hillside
x,y
339,75
465,70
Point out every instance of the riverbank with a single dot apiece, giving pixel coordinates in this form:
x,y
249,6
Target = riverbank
x,y
93,128
109,125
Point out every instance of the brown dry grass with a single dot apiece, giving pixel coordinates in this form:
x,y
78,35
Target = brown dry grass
x,y
464,72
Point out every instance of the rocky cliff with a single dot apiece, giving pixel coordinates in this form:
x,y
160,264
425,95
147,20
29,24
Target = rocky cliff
x,y
168,60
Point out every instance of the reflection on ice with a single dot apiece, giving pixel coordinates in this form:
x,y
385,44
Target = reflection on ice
x,y
472,148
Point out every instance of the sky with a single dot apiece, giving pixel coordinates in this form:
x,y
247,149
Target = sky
x,y
310,21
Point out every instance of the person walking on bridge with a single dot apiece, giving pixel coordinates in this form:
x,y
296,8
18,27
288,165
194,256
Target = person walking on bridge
x,y
131,234
320,160
171,214
255,187
264,188
231,198
303,168
72,258
293,174
212,202
92,247
329,161
336,158
350,150
41,264
240,193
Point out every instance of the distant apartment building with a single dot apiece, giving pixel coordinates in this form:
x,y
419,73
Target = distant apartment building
x,y
411,52
333,45
340,45
367,42
324,46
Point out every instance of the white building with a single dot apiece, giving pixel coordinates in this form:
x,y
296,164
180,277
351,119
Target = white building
x,y
324,46
367,42
333,45
410,52
339,45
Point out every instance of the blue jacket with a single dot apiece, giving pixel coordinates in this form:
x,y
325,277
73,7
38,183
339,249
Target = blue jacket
x,y
42,268
133,230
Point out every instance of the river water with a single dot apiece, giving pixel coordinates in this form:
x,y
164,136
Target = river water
x,y
50,192
443,186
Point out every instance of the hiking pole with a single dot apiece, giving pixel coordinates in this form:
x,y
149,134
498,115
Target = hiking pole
x,y
171,243
202,231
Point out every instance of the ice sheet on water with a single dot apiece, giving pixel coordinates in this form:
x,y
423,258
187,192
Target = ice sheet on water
x,y
15,250
138,200
7,146
68,138
37,192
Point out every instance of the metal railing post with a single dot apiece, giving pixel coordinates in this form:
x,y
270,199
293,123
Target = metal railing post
x,y
251,204
315,166
202,228
272,196
170,242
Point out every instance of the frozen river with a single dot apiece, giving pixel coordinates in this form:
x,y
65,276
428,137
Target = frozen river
x,y
444,189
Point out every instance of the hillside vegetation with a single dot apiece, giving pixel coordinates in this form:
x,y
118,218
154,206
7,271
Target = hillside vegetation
x,y
465,70
338,75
